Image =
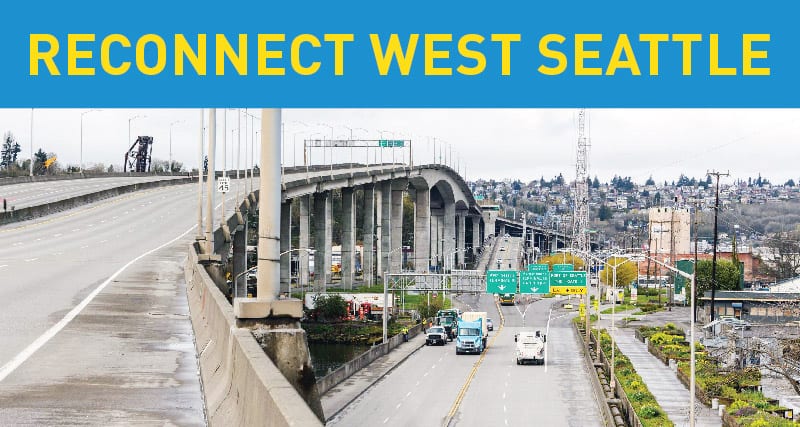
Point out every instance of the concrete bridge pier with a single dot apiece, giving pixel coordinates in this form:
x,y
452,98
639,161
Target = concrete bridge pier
x,y
368,255
476,234
303,242
449,234
461,240
386,227
422,230
396,256
274,322
240,261
286,245
348,237
324,240
436,236
378,257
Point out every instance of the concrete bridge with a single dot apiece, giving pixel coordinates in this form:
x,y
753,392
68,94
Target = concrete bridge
x,y
447,220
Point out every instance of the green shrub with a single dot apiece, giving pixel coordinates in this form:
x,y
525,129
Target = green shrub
x,y
637,396
660,338
649,411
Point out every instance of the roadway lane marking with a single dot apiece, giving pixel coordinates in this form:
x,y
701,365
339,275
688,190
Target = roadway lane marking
x,y
386,420
398,406
408,394
38,239
103,241
426,374
33,347
84,247
76,229
414,384
474,371
17,244
31,259
434,366
6,265
504,397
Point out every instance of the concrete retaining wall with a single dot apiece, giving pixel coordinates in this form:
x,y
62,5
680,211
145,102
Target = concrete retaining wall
x,y
241,384
32,212
343,372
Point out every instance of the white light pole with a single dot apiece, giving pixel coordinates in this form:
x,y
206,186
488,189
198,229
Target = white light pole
x,y
323,147
299,276
82,114
294,141
170,143
31,164
138,116
386,294
351,141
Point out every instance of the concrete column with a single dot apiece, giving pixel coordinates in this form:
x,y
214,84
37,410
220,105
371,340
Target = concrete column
x,y
240,262
378,231
286,245
461,232
422,230
348,237
396,258
305,210
449,234
476,234
269,202
386,226
323,242
367,258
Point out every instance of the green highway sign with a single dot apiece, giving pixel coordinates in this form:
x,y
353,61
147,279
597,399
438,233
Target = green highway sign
x,y
563,267
534,282
391,143
568,282
501,282
538,267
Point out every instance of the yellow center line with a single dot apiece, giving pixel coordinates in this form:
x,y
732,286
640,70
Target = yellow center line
x,y
474,370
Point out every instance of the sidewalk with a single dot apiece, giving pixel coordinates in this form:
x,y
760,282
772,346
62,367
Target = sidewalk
x,y
662,382
348,390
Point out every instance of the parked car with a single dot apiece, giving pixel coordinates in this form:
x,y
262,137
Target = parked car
x,y
436,335
489,324
568,306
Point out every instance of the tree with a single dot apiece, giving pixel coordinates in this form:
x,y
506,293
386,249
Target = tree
x,y
8,154
784,255
596,183
727,276
563,258
329,307
789,183
650,181
605,213
426,310
627,272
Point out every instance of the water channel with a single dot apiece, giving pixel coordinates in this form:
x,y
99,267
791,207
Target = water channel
x,y
327,357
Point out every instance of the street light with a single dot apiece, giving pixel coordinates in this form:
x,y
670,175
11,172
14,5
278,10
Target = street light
x,y
294,141
351,143
386,293
138,116
300,275
692,279
82,114
323,147
170,143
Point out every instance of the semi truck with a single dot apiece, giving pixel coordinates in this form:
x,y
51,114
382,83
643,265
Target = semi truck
x,y
473,333
448,320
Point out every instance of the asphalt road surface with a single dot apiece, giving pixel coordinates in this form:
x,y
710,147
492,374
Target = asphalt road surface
x,y
434,385
42,192
93,314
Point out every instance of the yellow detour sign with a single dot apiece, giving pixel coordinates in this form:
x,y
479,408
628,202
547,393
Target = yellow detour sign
x,y
568,290
582,309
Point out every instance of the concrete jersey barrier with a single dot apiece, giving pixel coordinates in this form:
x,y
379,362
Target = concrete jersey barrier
x,y
241,384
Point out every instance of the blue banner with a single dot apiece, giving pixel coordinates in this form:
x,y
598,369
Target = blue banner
x,y
409,54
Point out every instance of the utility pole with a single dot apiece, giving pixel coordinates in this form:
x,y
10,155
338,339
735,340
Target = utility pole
x,y
672,259
580,219
714,256
696,221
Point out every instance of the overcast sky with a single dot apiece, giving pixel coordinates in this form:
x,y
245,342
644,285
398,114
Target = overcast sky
x,y
495,143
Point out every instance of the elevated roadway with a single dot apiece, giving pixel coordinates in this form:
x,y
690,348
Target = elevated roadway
x,y
27,194
93,314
